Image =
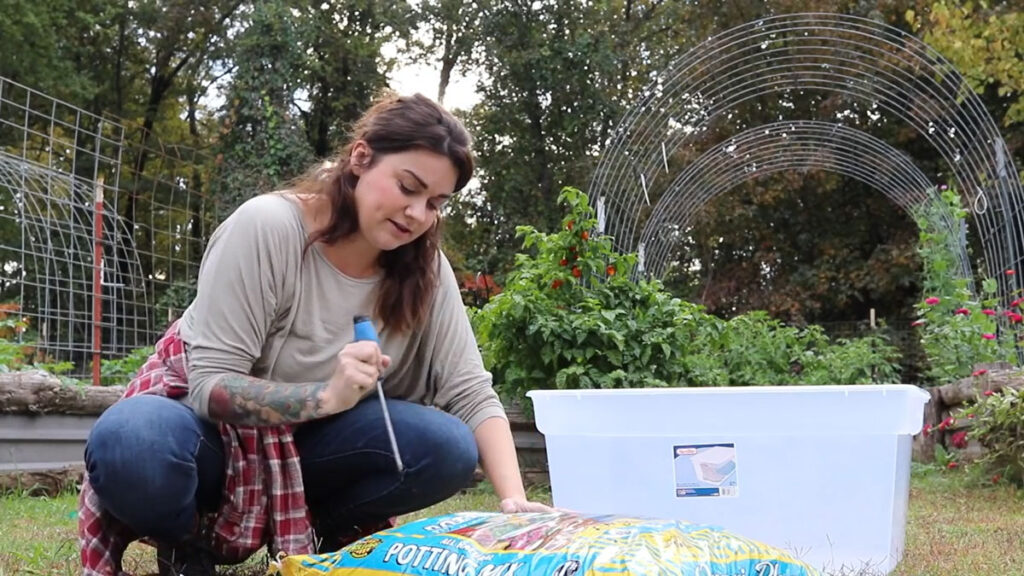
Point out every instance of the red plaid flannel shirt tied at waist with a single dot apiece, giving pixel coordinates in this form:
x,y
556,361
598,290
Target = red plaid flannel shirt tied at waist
x,y
263,501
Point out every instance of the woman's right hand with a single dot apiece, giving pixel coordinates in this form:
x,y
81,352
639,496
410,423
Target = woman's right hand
x,y
359,366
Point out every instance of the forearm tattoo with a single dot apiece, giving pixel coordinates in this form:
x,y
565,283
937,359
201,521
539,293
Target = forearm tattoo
x,y
250,401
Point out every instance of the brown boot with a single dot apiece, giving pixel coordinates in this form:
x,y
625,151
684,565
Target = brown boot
x,y
188,558
333,541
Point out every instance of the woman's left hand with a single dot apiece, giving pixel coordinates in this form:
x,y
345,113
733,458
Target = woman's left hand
x,y
515,505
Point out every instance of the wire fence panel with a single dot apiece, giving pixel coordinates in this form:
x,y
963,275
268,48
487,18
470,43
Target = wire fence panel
x,y
102,235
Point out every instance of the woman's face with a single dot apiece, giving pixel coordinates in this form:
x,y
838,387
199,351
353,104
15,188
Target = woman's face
x,y
399,196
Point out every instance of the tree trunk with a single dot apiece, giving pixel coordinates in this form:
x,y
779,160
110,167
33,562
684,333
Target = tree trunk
x,y
447,64
924,444
971,388
37,392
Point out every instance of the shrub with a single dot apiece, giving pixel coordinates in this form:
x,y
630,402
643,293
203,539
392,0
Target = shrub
x,y
997,420
121,371
570,316
573,315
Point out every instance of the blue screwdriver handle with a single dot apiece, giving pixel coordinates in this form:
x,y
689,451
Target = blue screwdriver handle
x,y
362,329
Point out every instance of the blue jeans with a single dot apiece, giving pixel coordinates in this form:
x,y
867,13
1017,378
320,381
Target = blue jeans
x,y
154,464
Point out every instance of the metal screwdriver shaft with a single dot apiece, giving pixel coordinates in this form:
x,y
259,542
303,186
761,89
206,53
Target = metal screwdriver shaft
x,y
363,330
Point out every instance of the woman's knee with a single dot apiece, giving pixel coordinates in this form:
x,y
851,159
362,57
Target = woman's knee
x,y
141,429
141,461
453,448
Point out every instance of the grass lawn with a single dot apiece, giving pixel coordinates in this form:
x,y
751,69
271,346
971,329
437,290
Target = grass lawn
x,y
957,527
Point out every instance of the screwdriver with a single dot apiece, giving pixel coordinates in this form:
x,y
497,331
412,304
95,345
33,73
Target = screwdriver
x,y
363,329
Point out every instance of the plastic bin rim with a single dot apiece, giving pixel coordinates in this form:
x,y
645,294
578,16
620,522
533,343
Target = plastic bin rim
x,y
682,390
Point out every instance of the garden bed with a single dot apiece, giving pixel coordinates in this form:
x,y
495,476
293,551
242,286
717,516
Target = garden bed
x,y
43,430
46,423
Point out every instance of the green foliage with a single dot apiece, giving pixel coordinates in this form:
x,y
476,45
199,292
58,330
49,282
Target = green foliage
x,y
983,40
572,316
121,371
46,60
957,329
15,355
19,352
755,349
998,424
808,247
178,296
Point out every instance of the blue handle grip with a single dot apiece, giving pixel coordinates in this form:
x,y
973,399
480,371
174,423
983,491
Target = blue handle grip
x,y
363,329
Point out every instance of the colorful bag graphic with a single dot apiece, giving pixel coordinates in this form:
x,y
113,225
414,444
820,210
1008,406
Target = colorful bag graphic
x,y
550,544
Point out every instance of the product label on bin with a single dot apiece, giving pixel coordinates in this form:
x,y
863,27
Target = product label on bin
x,y
705,470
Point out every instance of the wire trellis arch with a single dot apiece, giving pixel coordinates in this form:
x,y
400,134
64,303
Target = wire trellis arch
x,y
62,258
892,74
784,146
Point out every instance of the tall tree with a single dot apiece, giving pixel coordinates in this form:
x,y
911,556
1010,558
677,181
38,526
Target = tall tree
x,y
345,67
451,31
263,140
44,60
556,77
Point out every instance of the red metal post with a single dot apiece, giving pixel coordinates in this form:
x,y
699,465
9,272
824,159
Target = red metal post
x,y
97,283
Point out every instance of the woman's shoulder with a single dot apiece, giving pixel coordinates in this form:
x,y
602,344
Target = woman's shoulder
x,y
448,293
272,214
445,270
270,207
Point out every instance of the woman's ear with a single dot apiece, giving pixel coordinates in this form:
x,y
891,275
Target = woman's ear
x,y
359,157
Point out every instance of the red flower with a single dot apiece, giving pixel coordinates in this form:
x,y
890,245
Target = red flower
x,y
970,416
917,323
1010,272
556,284
959,439
962,312
932,301
947,423
979,372
927,429
996,479
1016,302
610,270
989,336
988,312
576,271
563,262
1015,318
952,465
988,392
585,235
568,226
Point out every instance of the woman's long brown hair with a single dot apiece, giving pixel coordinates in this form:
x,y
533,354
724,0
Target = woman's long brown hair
x,y
394,124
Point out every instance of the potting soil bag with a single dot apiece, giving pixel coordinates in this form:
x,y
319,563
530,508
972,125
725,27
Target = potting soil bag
x,y
549,544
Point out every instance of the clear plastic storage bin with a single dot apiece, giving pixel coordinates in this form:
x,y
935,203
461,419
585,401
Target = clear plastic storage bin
x,y
821,471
